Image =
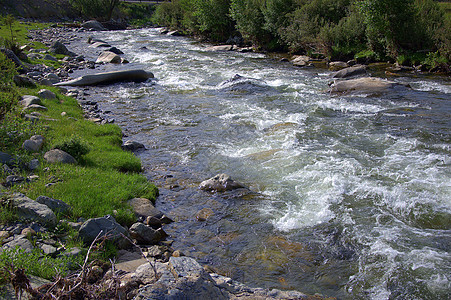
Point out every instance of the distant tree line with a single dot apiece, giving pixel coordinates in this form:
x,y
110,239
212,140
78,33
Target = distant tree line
x,y
340,29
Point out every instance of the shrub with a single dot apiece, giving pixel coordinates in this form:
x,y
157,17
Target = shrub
x,y
168,14
250,21
8,95
213,18
306,23
99,9
75,146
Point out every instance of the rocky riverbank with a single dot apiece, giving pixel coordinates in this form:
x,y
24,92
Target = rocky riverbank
x,y
147,267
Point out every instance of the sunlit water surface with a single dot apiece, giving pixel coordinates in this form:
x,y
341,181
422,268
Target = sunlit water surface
x,y
351,195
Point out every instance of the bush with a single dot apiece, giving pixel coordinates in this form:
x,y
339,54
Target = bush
x,y
75,146
307,22
99,9
169,14
213,18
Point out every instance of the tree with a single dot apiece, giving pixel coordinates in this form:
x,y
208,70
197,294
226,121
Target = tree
x,y
99,9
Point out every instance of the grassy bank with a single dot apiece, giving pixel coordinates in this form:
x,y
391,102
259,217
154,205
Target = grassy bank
x,y
103,180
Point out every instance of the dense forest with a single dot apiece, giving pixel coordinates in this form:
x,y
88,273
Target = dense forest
x,y
407,31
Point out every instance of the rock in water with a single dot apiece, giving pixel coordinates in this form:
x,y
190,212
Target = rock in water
x,y
220,183
351,71
109,77
243,84
365,85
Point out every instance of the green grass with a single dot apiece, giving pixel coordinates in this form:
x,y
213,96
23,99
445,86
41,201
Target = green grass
x,y
20,32
104,178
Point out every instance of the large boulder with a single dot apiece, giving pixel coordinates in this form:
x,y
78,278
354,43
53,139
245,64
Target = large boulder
x,y
144,234
105,226
220,183
349,72
6,158
365,85
109,57
109,77
29,209
93,25
59,48
59,156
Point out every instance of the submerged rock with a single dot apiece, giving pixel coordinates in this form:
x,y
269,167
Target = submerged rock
x,y
243,84
109,77
132,145
220,183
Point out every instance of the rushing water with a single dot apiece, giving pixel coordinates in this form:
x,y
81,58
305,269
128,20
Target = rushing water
x,y
351,195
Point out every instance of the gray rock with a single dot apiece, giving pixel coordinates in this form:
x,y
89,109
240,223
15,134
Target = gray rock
x,y
92,40
5,158
100,45
11,56
108,227
337,65
23,81
12,180
94,25
35,107
29,209
46,94
220,183
59,48
48,249
301,61
144,234
21,242
34,144
29,100
219,48
109,77
144,208
244,85
132,145
108,57
49,57
184,266
351,71
365,85
57,206
115,50
52,77
33,164
186,280
59,156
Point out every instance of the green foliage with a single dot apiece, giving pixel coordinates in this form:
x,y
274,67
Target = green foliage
x,y
8,95
169,14
14,130
99,9
75,146
137,14
213,18
250,20
36,263
308,21
7,213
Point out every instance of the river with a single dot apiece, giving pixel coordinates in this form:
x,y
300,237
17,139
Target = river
x,y
350,196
